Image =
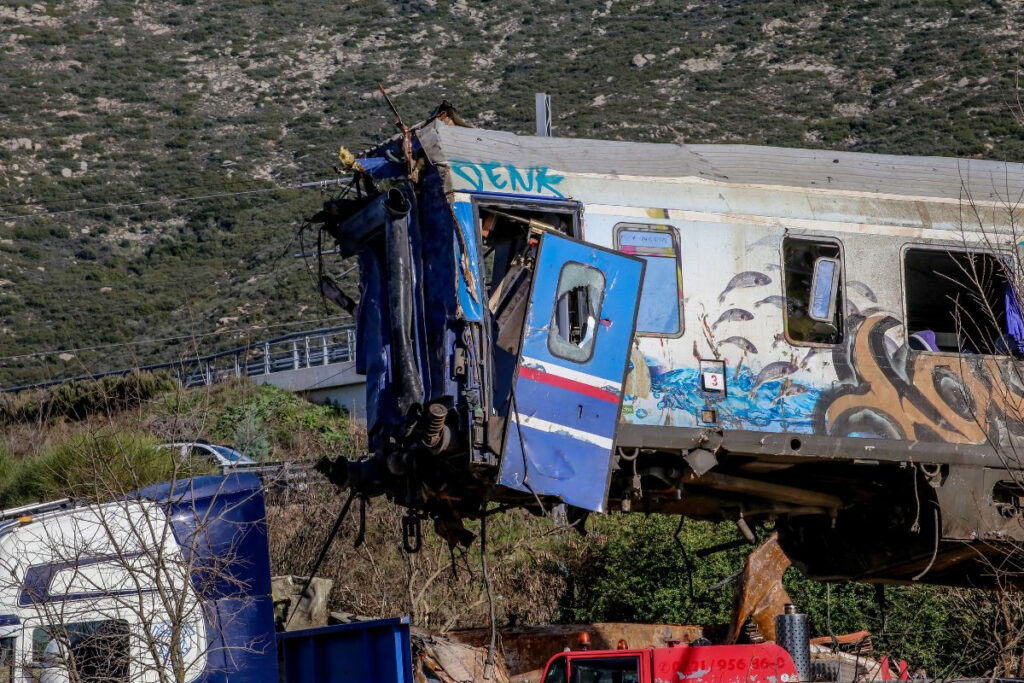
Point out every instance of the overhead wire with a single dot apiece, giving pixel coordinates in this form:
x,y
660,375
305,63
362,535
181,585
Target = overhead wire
x,y
322,184
177,200
79,196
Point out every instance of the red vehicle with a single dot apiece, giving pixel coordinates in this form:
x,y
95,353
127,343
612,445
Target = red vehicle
x,y
764,663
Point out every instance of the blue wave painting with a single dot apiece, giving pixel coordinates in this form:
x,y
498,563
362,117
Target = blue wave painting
x,y
679,391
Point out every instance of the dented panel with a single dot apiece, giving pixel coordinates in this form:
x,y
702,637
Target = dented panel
x,y
568,389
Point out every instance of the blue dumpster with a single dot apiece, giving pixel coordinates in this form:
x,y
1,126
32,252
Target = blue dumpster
x,y
368,651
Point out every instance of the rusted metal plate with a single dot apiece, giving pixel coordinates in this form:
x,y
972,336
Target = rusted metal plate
x,y
760,595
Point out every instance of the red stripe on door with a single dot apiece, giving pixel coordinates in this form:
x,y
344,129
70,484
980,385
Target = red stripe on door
x,y
571,385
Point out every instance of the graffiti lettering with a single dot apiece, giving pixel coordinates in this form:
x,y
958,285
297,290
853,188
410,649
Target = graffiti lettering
x,y
494,176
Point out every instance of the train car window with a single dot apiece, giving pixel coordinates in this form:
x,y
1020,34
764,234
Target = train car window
x,y
605,670
658,245
813,310
581,293
960,302
95,650
7,646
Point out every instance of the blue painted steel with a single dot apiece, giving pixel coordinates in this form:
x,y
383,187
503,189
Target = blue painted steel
x,y
624,275
9,620
364,652
566,407
470,290
438,235
222,520
557,465
565,456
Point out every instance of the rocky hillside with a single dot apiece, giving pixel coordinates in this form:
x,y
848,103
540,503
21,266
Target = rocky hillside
x,y
143,144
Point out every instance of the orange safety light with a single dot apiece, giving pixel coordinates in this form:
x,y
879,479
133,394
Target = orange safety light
x,y
584,640
622,645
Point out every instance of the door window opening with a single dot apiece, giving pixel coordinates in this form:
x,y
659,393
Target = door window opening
x,y
507,263
960,302
504,232
580,293
813,312
658,245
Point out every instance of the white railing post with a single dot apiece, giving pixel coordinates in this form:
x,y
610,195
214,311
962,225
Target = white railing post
x,y
266,358
326,354
295,354
305,340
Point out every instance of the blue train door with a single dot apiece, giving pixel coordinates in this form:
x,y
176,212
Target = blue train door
x,y
568,386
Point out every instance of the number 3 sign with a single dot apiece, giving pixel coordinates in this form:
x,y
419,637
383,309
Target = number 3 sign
x,y
712,376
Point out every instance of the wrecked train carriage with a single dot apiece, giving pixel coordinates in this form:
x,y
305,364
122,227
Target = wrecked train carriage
x,y
825,339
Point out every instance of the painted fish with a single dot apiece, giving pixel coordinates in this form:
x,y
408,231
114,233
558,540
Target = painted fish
x,y
742,342
766,241
790,389
733,315
748,278
863,290
811,352
772,372
773,300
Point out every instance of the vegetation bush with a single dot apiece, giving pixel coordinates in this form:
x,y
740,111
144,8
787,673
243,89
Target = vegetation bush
x,y
94,466
82,398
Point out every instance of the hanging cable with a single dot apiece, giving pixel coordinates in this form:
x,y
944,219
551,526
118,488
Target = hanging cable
x,y
489,662
689,568
935,551
172,200
522,448
916,526
323,550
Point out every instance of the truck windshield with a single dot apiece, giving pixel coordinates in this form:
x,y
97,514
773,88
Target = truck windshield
x,y
606,670
557,671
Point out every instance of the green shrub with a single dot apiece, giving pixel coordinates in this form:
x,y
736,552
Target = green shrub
x,y
97,466
79,399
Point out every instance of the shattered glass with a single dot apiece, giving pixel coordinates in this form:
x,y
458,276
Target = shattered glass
x,y
581,289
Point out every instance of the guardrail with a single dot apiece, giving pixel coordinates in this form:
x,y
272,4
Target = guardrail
x,y
295,351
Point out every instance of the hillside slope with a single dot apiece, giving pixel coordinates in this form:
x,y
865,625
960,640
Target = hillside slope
x,y
105,102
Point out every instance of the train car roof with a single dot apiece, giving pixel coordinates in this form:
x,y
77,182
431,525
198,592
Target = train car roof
x,y
845,172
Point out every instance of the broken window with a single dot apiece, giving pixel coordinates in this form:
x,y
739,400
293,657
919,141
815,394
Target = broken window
x,y
95,650
580,293
658,245
813,307
960,302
